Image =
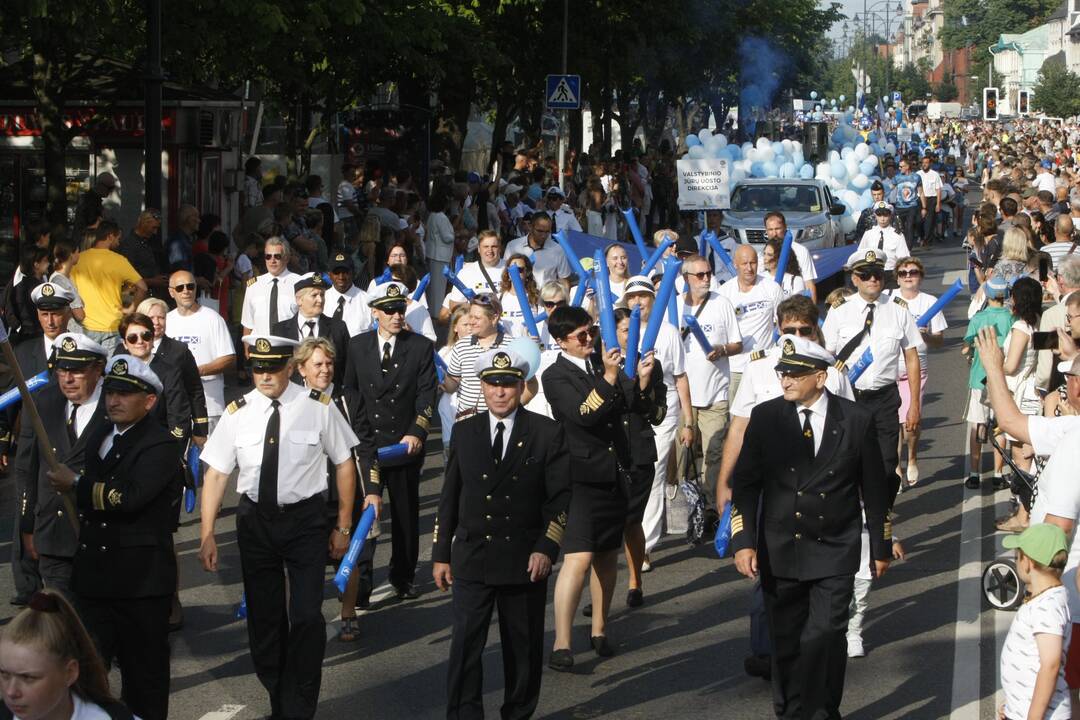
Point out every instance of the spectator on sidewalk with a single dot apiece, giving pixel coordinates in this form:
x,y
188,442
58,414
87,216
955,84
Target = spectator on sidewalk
x,y
109,286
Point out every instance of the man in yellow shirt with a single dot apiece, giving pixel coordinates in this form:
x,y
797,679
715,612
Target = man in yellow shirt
x,y
101,277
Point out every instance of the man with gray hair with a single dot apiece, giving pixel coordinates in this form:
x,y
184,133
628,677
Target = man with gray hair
x,y
269,297
1067,274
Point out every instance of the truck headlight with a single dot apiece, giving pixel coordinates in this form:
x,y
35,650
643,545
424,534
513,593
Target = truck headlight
x,y
814,232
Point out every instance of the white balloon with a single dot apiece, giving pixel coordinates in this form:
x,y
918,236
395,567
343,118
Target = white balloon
x,y
890,148
846,153
766,154
696,153
823,172
847,224
862,150
787,170
704,134
789,147
813,94
834,156
860,182
738,174
722,139
763,142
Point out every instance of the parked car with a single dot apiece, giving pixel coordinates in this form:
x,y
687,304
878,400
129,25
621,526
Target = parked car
x,y
813,214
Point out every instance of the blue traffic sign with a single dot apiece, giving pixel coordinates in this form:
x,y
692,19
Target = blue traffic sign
x,y
563,92
896,96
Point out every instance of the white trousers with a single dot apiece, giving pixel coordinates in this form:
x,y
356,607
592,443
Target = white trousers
x,y
653,522
857,609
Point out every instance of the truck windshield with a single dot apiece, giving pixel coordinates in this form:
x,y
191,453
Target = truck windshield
x,y
786,198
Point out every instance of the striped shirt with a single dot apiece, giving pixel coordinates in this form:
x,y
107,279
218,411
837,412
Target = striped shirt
x,y
1058,250
462,365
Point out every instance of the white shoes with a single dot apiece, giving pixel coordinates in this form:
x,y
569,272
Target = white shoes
x,y
912,474
855,647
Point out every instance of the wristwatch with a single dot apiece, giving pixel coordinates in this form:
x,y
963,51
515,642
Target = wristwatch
x,y
344,531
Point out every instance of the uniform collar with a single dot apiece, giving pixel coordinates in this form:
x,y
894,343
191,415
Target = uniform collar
x,y
260,401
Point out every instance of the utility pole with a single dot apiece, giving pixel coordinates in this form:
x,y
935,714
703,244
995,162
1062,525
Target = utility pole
x,y
152,107
563,127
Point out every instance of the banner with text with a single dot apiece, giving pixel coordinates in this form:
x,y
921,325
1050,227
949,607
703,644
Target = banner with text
x,y
703,184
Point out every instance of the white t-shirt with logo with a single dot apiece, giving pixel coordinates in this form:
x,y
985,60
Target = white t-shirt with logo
x,y
708,379
207,337
1047,613
755,310
472,278
1059,494
669,353
918,306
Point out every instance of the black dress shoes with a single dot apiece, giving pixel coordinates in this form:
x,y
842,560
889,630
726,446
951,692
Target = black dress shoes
x,y
635,598
561,660
601,646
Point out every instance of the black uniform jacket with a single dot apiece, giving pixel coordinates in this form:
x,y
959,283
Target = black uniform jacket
x,y
32,360
810,520
592,413
129,501
351,404
400,402
491,518
173,407
336,331
639,426
178,354
41,510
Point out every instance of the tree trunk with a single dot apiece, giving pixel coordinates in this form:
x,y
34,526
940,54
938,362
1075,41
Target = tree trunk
x,y
54,139
306,137
503,112
577,131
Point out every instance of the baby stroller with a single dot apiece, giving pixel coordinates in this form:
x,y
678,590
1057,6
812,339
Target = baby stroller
x,y
1001,584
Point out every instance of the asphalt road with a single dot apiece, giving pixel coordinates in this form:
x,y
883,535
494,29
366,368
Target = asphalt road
x,y
932,644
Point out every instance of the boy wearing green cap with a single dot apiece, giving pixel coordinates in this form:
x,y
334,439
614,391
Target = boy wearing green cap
x,y
1033,658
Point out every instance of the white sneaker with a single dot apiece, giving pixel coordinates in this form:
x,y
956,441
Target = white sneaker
x,y
855,647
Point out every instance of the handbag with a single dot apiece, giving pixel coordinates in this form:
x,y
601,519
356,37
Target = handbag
x,y
690,486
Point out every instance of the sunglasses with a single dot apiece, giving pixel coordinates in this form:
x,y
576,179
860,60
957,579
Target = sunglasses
x,y
703,275
801,330
549,304
273,256
908,273
870,274
145,336
184,287
795,375
484,299
583,337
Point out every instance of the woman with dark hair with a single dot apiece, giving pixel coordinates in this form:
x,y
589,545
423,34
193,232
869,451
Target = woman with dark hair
x,y
49,666
65,256
20,316
1020,361
983,247
792,283
1042,230
513,319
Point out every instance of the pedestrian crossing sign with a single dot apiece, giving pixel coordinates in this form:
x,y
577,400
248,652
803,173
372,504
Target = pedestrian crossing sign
x,y
563,92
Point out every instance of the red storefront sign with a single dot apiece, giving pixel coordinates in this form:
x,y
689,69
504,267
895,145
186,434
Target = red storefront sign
x,y
25,122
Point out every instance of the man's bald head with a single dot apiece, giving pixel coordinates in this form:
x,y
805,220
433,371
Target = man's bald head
x,y
183,290
1063,228
746,261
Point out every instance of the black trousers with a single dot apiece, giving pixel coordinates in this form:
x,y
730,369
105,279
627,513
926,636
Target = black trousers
x,y
808,624
134,632
885,406
287,636
521,631
24,569
403,484
929,223
908,216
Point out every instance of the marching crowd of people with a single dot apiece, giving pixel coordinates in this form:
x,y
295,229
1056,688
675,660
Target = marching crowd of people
x,y
332,325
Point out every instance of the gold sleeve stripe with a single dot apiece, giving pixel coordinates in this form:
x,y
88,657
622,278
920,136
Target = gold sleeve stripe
x,y
593,401
423,422
888,530
554,532
736,525
373,475
98,496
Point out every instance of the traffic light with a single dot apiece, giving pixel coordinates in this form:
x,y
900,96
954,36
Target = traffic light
x,y
1022,102
990,101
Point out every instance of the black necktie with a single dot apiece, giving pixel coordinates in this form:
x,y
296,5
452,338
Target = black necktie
x,y
808,432
853,343
497,445
273,305
340,312
881,240
268,473
72,427
385,357
310,325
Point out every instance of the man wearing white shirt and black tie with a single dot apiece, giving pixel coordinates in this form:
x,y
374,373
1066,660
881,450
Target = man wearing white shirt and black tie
x,y
343,300
310,321
269,297
885,238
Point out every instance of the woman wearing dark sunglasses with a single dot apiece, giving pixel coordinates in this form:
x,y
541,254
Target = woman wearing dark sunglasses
x,y
173,409
909,276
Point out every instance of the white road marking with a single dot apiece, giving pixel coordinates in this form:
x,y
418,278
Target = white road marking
x,y
951,276
224,713
965,684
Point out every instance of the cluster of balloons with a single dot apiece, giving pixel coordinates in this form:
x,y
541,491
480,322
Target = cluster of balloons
x,y
849,170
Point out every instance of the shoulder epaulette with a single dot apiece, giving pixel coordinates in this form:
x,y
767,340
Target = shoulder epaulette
x,y
838,302
252,281
757,355
236,405
899,301
320,396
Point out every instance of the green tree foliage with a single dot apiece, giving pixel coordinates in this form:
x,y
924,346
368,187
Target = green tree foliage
x,y
1057,92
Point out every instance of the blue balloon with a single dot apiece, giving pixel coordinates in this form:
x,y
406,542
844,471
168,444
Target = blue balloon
x,y
806,172
787,170
692,140
838,170
529,351
757,169
769,169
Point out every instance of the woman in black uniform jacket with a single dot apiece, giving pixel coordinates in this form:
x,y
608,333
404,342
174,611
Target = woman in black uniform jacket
x,y
592,398
314,360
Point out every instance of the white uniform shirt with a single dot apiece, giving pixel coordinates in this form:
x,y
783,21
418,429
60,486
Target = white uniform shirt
x,y
669,353
356,314
85,411
472,278
918,306
207,337
893,332
756,313
760,383
549,262
565,219
888,240
709,379
311,432
256,312
931,183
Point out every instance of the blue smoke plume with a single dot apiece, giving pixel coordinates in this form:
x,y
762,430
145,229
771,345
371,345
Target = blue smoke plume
x,y
762,67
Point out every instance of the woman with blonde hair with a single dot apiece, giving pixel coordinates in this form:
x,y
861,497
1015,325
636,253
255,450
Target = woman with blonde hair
x,y
314,361
1016,256
458,327
49,667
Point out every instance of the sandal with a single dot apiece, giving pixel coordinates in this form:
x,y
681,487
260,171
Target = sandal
x,y
1011,524
350,630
